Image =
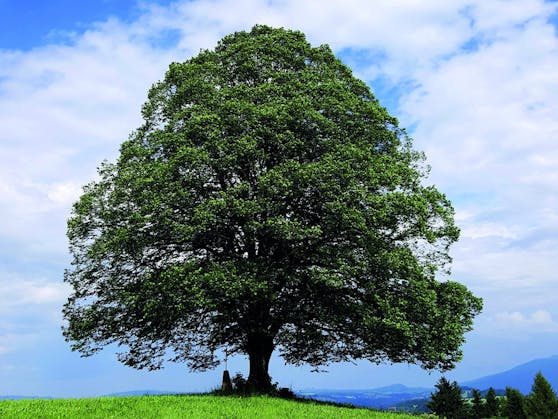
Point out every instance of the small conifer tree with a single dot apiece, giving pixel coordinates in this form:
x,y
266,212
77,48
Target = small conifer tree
x,y
478,409
446,401
541,402
492,406
515,406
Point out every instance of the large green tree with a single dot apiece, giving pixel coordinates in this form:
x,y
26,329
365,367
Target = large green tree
x,y
267,202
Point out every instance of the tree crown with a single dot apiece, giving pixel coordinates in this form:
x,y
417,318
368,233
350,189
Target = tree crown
x,y
268,200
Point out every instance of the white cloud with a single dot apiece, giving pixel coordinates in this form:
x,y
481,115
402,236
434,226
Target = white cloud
x,y
491,229
16,292
490,110
64,193
488,120
406,32
498,264
516,321
496,17
515,317
14,341
29,308
63,109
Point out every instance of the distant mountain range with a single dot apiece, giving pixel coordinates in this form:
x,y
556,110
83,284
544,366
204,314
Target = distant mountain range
x,y
397,395
520,377
140,393
13,397
378,398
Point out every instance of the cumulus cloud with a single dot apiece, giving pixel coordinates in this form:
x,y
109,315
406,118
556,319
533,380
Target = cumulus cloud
x,y
538,317
64,193
17,292
490,110
514,322
28,308
63,109
487,119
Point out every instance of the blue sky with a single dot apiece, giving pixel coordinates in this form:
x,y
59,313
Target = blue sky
x,y
473,80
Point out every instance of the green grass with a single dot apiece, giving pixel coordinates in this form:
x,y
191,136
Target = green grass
x,y
187,406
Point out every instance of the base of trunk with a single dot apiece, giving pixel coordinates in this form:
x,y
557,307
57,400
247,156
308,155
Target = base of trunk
x,y
259,352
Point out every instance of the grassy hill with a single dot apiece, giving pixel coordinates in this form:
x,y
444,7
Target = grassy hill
x,y
187,406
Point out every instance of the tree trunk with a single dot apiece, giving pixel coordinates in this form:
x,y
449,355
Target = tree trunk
x,y
259,349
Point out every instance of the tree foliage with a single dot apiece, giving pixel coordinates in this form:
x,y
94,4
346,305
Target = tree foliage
x,y
446,401
541,403
492,403
478,408
515,404
267,201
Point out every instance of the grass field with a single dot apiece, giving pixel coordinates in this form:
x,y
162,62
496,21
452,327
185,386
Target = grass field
x,y
188,406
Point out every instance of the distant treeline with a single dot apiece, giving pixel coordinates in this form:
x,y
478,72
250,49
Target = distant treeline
x,y
452,402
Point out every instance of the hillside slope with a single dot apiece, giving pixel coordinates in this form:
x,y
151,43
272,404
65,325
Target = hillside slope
x,y
187,406
520,377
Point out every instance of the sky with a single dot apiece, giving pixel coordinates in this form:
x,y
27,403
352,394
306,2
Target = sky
x,y
473,81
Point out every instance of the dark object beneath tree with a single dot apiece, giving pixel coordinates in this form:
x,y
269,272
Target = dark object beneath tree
x,y
286,393
267,202
226,386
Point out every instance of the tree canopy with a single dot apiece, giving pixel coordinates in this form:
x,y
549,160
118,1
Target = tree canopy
x,y
267,202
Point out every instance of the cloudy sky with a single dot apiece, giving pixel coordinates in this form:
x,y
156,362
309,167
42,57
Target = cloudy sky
x,y
474,81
